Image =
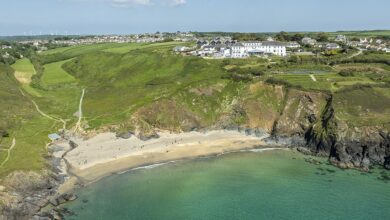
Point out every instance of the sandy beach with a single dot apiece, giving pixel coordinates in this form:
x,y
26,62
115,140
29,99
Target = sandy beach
x,y
105,153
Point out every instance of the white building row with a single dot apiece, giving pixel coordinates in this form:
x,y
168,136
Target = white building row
x,y
245,49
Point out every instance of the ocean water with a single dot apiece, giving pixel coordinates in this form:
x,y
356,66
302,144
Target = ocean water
x,y
277,184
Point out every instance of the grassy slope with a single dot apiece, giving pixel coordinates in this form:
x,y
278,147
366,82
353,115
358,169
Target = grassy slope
x,y
54,74
364,107
120,83
20,119
65,53
133,46
24,65
24,70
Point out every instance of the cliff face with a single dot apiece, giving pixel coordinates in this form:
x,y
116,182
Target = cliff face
x,y
343,126
348,146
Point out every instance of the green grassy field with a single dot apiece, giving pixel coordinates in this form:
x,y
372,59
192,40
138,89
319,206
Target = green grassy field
x,y
324,82
65,53
54,74
24,65
133,46
24,70
24,124
365,106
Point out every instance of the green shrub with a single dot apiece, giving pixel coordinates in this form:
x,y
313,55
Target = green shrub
x,y
346,73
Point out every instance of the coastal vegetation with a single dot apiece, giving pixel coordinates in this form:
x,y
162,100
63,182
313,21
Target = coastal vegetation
x,y
144,87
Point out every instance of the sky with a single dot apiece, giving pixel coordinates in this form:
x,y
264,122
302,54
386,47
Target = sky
x,y
33,17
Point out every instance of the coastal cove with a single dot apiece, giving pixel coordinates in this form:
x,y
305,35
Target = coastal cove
x,y
254,184
86,160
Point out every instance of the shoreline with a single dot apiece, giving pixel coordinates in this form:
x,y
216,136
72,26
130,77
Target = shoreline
x,y
105,154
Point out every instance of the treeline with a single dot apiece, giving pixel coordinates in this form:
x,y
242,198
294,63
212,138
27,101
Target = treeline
x,y
244,74
281,36
39,69
249,37
16,52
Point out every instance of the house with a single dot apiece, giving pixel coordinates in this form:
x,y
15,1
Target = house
x,y
387,50
200,43
238,51
4,47
332,46
245,49
274,47
309,41
54,137
341,38
6,55
353,43
293,45
180,49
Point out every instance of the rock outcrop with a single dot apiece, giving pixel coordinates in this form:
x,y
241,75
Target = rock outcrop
x,y
25,194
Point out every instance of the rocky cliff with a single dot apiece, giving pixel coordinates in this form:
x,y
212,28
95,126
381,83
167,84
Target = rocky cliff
x,y
350,127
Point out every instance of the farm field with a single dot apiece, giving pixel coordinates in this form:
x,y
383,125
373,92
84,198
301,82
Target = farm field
x,y
325,82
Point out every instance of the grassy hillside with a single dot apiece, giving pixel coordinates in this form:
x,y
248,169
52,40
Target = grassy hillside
x,y
19,118
120,83
54,74
147,86
24,70
65,53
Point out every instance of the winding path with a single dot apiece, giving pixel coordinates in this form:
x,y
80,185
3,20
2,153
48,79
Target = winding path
x,y
9,152
355,54
313,77
44,114
78,124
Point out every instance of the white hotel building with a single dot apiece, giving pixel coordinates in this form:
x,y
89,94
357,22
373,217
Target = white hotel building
x,y
244,49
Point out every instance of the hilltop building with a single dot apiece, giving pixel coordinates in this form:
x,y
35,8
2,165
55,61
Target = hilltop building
x,y
309,41
293,45
245,49
341,38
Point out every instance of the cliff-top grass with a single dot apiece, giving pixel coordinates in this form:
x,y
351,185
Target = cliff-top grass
x,y
122,79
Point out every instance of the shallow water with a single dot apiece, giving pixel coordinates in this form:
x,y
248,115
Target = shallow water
x,y
248,185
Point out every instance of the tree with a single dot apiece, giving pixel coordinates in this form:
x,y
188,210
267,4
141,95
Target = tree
x,y
322,37
297,37
3,134
283,36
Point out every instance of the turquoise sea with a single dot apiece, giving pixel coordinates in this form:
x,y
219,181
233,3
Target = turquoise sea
x,y
278,184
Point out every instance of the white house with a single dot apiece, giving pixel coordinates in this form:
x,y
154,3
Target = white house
x,y
238,51
332,46
245,49
309,41
293,45
341,38
180,49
